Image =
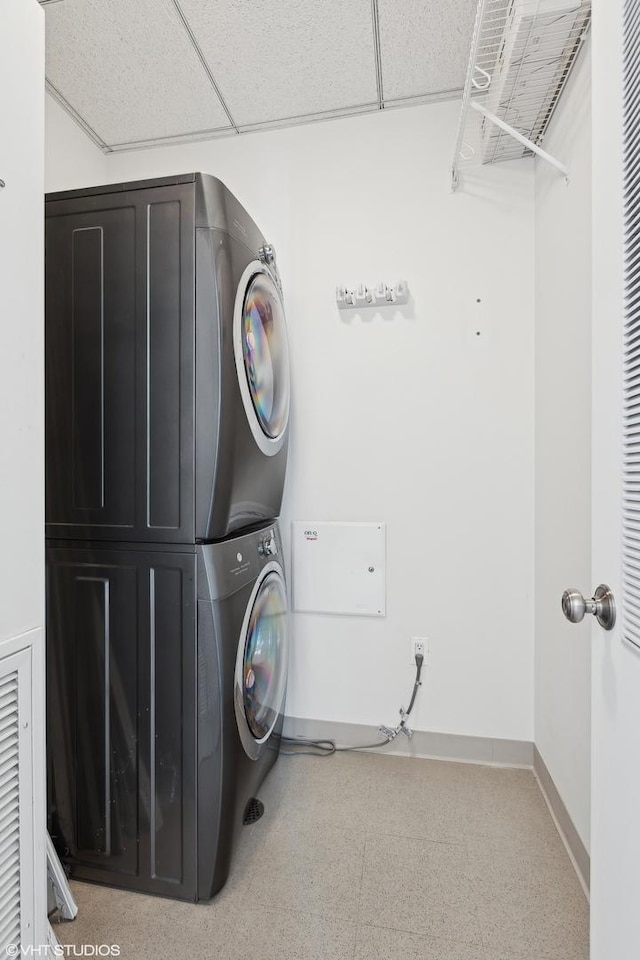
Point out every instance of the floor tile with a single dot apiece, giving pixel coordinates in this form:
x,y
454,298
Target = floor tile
x,y
533,904
393,776
286,935
327,793
375,943
419,886
149,928
347,775
348,816
309,870
372,796
432,819
518,818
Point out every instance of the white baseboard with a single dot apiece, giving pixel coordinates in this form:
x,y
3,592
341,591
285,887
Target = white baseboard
x,y
430,746
570,836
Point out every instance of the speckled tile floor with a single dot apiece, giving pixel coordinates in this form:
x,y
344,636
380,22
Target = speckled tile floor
x,y
369,857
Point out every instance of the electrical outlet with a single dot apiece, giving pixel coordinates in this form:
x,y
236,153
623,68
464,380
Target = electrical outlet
x,y
419,645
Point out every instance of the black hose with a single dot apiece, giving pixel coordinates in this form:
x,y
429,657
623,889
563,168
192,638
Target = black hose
x,y
325,748
418,683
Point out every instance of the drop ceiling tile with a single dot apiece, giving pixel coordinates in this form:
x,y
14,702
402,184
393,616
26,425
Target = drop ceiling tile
x,y
277,59
425,45
129,69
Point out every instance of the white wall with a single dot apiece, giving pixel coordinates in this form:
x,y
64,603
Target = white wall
x,y
563,448
72,160
22,435
412,419
21,319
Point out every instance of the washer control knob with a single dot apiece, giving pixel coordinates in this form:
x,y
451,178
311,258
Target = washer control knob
x,y
267,253
268,547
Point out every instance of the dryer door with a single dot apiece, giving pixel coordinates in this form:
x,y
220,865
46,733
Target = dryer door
x,y
261,663
262,356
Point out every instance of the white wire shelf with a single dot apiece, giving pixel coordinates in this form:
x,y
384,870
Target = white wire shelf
x,y
521,55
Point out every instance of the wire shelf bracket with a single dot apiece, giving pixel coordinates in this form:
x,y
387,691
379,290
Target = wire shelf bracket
x,y
522,52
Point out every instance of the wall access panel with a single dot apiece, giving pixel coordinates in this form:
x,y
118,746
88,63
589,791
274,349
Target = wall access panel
x,y
339,568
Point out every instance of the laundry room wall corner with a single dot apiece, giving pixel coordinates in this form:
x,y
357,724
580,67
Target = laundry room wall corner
x,y
420,417
72,160
563,469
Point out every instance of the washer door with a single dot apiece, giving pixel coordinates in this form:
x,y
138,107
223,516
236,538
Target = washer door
x,y
262,356
262,660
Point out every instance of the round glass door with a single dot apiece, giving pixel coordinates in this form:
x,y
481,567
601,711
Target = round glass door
x,y
262,678
262,358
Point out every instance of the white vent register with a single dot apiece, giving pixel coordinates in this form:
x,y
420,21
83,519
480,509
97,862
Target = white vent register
x,y
16,796
631,427
339,568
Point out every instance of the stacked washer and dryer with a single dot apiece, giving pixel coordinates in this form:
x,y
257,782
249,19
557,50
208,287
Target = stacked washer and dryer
x,y
167,406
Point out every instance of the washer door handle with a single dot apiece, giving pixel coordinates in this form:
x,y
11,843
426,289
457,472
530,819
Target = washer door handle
x,y
601,605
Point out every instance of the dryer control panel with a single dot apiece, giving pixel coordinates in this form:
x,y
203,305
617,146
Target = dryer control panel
x,y
229,565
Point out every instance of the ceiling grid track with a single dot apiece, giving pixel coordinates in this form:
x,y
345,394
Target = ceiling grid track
x,y
88,129
402,84
420,99
317,117
375,16
205,65
282,124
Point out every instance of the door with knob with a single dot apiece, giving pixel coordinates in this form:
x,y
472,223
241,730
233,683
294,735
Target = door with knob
x,y
615,798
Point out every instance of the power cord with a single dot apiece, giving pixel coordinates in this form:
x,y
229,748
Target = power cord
x,y
325,748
